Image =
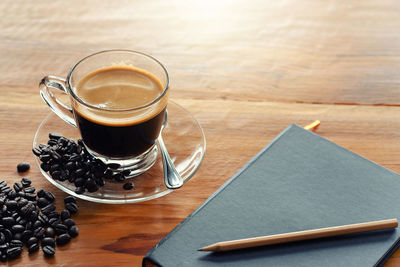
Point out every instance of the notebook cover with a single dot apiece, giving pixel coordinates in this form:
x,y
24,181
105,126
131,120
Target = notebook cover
x,y
299,181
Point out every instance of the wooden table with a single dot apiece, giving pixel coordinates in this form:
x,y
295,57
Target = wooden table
x,y
244,69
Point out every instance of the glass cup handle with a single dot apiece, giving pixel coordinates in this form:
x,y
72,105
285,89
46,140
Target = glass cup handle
x,y
59,108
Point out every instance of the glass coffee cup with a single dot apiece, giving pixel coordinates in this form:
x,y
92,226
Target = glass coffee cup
x,y
118,101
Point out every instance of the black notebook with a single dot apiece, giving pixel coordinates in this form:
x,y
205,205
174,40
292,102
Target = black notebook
x,y
299,181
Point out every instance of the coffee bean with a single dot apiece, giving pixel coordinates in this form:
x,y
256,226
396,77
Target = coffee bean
x,y
55,167
37,224
34,216
79,182
32,240
26,182
37,151
73,231
49,196
8,221
80,190
27,209
52,142
72,208
17,187
70,166
42,202
54,221
69,222
61,229
7,233
49,232
11,205
43,219
30,196
91,186
69,199
65,215
79,172
17,228
39,232
12,194
45,166
33,248
23,167
29,189
16,243
108,174
48,241
118,177
6,190
4,246
49,208
22,202
48,251
41,193
113,166
13,253
63,239
56,175
126,172
55,136
26,235
17,236
53,214
128,186
45,158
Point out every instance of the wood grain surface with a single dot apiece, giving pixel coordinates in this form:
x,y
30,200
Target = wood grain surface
x,y
244,69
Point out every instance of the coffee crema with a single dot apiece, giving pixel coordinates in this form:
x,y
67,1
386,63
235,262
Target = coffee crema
x,y
112,129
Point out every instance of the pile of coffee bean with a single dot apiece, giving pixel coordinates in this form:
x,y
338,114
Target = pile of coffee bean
x,y
29,218
67,160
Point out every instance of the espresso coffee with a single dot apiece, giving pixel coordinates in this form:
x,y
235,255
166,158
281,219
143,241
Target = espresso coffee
x,y
129,132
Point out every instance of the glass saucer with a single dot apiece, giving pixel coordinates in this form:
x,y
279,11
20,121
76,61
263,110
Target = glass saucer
x,y
183,137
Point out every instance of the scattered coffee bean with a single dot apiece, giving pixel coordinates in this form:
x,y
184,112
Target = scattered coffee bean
x,y
48,251
32,240
49,196
73,231
113,166
49,208
55,136
128,186
41,193
69,222
72,208
33,248
37,151
61,229
23,167
126,172
16,243
26,182
80,190
42,202
69,199
63,239
13,253
49,232
48,241
29,189
24,219
17,187
65,214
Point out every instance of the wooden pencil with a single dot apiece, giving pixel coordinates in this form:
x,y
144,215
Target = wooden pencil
x,y
301,235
